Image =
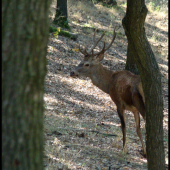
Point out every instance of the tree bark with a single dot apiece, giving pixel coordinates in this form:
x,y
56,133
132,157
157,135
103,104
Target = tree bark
x,y
148,68
61,14
25,30
130,62
62,7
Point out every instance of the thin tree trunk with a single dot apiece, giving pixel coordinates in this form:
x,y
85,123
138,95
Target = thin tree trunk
x,y
151,79
25,29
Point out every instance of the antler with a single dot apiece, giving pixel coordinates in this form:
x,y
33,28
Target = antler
x,y
105,49
95,44
114,36
84,51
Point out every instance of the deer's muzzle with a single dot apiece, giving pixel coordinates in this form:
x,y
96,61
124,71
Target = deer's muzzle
x,y
73,74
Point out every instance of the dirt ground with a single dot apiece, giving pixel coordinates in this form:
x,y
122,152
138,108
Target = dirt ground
x,y
81,125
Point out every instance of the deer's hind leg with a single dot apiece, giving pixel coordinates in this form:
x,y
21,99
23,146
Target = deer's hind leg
x,y
139,104
123,126
138,131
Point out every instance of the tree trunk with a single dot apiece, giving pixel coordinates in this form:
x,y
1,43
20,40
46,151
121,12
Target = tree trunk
x,y
25,30
148,68
62,7
61,14
130,62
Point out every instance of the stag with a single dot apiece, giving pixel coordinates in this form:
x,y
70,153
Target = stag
x,y
124,87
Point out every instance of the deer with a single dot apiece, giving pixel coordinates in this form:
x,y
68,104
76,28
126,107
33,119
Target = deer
x,y
124,87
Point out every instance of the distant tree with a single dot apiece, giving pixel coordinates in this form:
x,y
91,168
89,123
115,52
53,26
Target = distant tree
x,y
25,30
139,47
61,14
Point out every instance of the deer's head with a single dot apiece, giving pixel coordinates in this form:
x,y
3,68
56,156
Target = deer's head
x,y
91,60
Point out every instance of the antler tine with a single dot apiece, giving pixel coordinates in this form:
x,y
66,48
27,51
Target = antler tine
x,y
114,36
84,51
95,43
103,49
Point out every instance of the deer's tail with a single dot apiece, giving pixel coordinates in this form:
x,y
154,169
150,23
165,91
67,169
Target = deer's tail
x,y
140,88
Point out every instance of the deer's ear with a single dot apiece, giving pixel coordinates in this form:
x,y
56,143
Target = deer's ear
x,y
100,57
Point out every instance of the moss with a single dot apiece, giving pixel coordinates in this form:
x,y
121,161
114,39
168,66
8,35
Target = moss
x,y
63,33
53,29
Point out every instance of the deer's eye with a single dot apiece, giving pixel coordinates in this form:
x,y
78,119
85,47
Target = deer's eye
x,y
86,56
86,65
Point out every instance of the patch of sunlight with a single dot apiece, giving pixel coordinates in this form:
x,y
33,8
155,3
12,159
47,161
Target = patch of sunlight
x,y
142,160
165,67
124,5
161,26
166,160
50,98
112,123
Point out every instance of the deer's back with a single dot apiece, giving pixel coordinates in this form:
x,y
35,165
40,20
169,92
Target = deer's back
x,y
123,85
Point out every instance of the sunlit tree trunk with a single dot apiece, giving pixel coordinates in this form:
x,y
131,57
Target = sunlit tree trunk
x,y
25,30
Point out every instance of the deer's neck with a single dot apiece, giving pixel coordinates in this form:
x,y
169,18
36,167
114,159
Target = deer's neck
x,y
101,78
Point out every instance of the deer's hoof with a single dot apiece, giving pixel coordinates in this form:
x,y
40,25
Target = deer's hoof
x,y
143,153
124,150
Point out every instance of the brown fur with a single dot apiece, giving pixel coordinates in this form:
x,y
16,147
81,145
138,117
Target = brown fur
x,y
124,88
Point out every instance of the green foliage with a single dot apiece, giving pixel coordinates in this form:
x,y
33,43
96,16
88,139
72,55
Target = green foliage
x,y
154,6
157,8
57,32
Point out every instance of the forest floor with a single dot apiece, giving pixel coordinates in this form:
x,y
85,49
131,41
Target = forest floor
x,y
81,124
